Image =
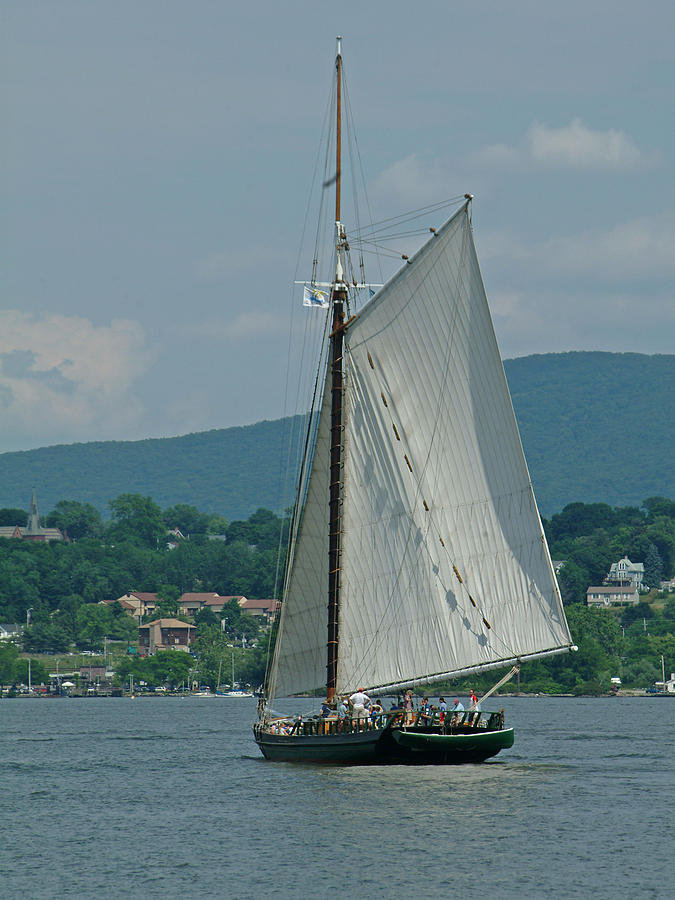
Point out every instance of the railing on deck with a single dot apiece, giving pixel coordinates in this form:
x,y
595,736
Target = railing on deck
x,y
452,723
455,722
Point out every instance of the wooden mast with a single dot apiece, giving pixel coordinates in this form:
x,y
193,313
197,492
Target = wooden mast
x,y
339,298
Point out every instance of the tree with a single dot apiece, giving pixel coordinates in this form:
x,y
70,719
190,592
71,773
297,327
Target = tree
x,y
186,518
45,638
573,581
9,656
231,615
579,519
206,616
10,516
94,622
38,673
637,613
653,574
168,666
217,525
248,627
167,607
659,506
260,530
137,519
669,609
77,520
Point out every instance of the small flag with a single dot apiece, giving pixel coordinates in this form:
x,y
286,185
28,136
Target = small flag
x,y
313,297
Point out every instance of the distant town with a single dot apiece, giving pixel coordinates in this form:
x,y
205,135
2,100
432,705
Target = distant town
x,y
177,601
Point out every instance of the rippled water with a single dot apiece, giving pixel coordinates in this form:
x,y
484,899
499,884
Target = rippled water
x,y
113,798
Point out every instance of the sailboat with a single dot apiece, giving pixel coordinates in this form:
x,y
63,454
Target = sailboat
x,y
417,553
233,692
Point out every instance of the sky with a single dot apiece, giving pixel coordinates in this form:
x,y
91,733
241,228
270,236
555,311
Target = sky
x,y
157,157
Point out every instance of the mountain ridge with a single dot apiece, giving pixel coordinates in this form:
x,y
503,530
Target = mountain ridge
x,y
595,426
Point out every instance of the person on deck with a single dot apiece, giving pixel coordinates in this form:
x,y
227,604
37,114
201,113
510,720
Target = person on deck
x,y
408,706
326,710
443,708
359,700
376,711
426,706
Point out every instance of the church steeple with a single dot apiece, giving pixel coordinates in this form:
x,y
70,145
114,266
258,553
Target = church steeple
x,y
33,526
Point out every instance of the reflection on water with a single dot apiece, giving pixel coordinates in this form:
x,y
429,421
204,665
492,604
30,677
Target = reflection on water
x,y
162,798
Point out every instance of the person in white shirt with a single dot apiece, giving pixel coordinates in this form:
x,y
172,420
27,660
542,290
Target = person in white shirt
x,y
359,700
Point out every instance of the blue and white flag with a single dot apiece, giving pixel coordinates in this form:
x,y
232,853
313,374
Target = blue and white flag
x,y
313,297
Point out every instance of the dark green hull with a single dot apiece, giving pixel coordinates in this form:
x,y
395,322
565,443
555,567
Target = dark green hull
x,y
450,749
393,745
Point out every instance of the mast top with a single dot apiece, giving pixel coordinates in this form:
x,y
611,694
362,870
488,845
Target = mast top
x,y
339,45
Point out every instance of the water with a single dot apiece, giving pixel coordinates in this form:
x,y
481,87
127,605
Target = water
x,y
113,798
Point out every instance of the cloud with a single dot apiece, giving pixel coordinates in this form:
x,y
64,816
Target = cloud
x,y
411,182
551,321
602,289
64,379
641,248
574,146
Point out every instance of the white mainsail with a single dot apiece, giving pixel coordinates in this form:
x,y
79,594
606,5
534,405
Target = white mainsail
x,y
444,565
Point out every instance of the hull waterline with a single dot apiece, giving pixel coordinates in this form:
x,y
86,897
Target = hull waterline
x,y
398,746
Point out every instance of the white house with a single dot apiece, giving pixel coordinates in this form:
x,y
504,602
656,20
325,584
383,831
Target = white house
x,y
668,686
608,595
626,572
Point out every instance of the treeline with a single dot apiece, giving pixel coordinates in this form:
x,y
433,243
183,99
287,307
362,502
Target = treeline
x,y
627,642
589,537
58,585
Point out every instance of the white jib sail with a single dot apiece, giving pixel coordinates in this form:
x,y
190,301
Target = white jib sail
x,y
435,480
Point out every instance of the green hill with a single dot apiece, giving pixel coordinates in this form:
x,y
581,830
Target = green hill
x,y
596,427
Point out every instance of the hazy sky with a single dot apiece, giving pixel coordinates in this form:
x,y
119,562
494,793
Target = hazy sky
x,y
157,156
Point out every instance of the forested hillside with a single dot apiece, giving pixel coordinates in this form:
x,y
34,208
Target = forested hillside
x,y
230,472
596,427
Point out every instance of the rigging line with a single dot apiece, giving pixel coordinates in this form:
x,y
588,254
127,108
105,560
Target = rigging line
x,y
389,234
361,171
388,252
381,236
395,221
289,356
327,133
351,137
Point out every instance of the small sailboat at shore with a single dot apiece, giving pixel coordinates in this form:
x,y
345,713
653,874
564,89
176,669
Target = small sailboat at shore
x,y
234,690
417,553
